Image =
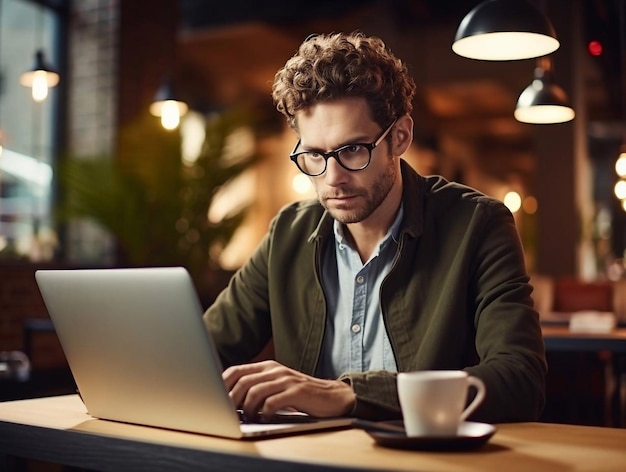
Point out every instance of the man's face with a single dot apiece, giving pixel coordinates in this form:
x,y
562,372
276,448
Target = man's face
x,y
349,196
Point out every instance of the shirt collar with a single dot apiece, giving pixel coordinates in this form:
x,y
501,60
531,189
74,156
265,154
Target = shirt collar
x,y
394,230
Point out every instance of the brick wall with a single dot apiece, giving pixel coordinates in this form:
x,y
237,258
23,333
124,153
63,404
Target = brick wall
x,y
92,70
92,109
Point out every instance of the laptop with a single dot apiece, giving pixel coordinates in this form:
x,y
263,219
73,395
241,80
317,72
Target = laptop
x,y
139,352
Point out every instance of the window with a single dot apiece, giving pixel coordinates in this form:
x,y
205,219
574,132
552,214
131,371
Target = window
x,y
28,132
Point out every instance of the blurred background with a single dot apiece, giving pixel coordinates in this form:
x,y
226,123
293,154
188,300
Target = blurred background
x,y
91,176
114,58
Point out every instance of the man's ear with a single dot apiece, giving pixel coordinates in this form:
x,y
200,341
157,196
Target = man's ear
x,y
402,135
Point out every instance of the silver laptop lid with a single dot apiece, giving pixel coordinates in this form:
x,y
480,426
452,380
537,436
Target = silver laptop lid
x,y
138,349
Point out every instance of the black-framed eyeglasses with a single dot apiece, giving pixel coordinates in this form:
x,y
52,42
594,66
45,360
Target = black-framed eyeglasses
x,y
353,157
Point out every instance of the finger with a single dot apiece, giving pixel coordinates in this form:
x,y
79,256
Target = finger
x,y
290,398
282,388
321,398
232,374
258,395
240,391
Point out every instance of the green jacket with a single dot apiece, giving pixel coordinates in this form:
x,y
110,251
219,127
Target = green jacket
x,y
457,297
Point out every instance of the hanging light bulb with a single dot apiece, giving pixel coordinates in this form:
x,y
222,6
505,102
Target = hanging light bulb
x,y
40,86
40,78
543,101
171,112
168,107
503,30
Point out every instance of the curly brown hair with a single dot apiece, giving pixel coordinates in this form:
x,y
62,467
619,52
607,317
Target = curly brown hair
x,y
331,66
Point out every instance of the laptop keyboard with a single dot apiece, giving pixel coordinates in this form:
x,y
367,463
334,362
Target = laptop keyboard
x,y
278,418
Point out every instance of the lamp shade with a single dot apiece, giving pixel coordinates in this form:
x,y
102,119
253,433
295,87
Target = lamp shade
x,y
543,101
502,30
168,106
40,77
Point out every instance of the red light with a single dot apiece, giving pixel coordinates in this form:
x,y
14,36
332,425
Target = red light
x,y
595,48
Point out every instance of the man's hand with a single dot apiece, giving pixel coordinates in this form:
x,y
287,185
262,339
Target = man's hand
x,y
268,386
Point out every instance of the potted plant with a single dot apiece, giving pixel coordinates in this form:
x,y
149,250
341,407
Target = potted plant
x,y
154,205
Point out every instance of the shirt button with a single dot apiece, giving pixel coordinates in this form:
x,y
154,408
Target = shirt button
x,y
356,328
360,279
341,247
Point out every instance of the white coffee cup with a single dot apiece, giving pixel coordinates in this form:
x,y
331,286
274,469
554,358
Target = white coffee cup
x,y
433,401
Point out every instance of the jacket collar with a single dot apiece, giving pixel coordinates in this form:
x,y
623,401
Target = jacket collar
x,y
413,198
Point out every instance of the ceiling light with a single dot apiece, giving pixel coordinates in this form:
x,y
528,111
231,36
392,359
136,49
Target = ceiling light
x,y
543,101
503,30
40,77
168,106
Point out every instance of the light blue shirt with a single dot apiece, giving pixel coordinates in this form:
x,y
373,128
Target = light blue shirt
x,y
356,339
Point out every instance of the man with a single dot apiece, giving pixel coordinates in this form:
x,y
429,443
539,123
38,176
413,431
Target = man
x,y
386,271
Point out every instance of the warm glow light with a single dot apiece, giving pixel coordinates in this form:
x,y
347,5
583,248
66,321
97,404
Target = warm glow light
x,y
233,197
40,78
620,189
193,135
40,85
513,201
624,204
170,115
170,112
301,184
620,165
544,114
530,205
505,46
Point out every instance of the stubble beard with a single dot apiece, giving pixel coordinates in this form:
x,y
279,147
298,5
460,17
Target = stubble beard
x,y
374,197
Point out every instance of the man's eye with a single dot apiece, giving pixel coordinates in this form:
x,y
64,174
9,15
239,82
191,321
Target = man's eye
x,y
315,156
352,148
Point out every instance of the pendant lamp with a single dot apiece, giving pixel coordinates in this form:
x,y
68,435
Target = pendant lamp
x,y
503,30
168,106
40,77
543,101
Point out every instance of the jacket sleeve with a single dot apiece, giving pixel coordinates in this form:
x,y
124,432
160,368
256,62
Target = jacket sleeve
x,y
376,395
509,342
239,319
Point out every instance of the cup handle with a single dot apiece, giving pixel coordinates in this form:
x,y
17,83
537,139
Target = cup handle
x,y
480,396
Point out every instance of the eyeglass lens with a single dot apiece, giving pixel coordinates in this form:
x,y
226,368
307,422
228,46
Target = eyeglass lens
x,y
352,157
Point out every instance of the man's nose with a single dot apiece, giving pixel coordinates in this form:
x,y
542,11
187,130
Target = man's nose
x,y
335,174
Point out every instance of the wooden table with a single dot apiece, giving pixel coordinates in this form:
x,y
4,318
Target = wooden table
x,y
57,429
558,338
